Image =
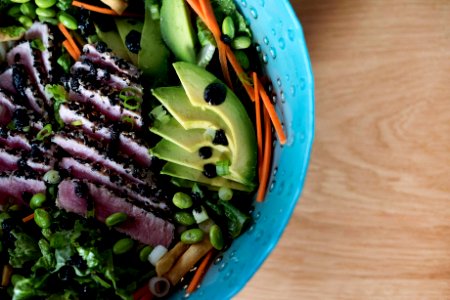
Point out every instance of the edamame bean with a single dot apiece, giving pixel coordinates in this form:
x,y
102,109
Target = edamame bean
x,y
14,207
19,1
143,254
216,237
45,3
182,200
228,27
14,11
68,21
45,12
51,21
241,42
52,177
26,21
116,219
184,218
28,9
122,246
42,218
192,236
242,58
225,193
37,200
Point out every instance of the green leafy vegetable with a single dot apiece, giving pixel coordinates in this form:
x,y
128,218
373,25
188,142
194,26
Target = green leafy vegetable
x,y
236,219
25,249
59,94
29,288
37,44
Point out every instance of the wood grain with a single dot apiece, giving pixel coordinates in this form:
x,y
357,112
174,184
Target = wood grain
x,y
374,218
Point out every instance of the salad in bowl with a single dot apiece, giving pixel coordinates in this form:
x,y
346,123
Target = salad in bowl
x,y
134,138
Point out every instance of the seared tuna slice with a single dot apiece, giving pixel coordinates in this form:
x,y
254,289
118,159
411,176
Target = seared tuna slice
x,y
84,148
129,145
23,54
15,162
14,188
106,105
75,196
41,31
14,140
115,81
6,81
113,181
107,60
6,109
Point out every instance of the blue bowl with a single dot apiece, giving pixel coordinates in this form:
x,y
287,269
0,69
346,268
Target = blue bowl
x,y
283,53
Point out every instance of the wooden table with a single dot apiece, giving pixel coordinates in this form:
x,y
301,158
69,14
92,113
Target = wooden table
x,y
374,218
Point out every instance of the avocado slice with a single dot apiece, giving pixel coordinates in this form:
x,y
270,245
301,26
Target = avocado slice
x,y
113,41
177,103
183,172
125,26
153,61
171,152
177,31
190,140
231,111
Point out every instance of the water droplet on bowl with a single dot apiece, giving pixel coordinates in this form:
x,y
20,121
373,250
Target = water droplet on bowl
x,y
302,83
244,3
254,13
257,215
273,52
262,2
265,58
279,82
218,260
281,43
266,40
291,34
272,186
274,32
292,90
251,229
283,100
275,171
186,295
259,235
274,99
228,274
233,253
258,48
222,267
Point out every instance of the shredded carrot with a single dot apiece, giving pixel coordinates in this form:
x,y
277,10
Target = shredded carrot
x,y
239,72
141,292
70,50
200,272
265,168
273,114
104,11
258,121
70,39
205,11
28,218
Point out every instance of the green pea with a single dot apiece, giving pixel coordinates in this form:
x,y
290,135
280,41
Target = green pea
x,y
26,21
192,236
182,200
45,12
184,218
241,42
242,58
225,193
216,237
37,200
42,218
52,177
14,11
51,21
45,3
122,246
116,219
144,253
28,9
68,21
228,27
19,1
